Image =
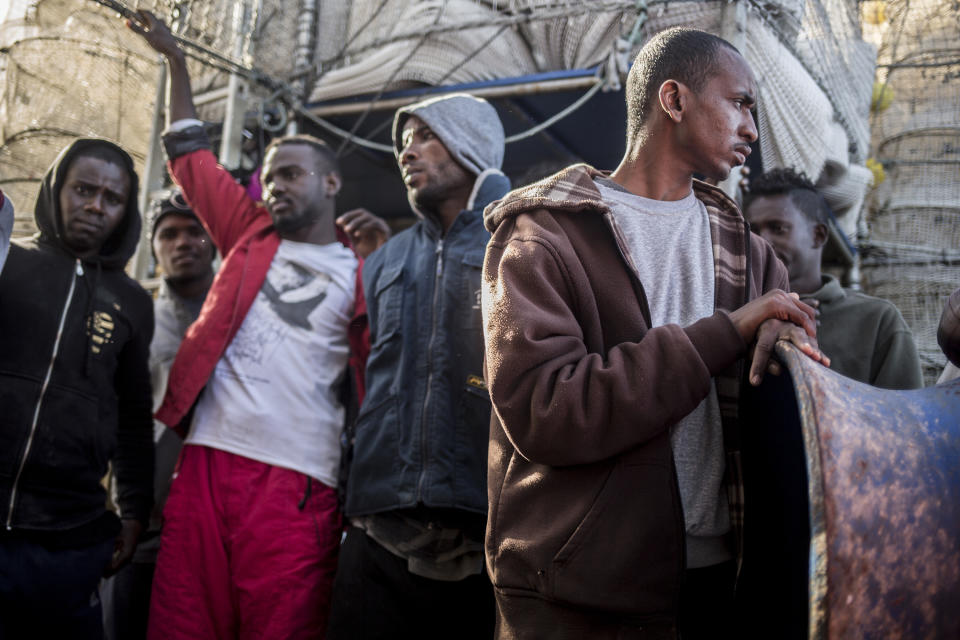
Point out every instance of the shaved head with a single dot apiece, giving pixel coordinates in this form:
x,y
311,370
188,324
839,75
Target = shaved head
x,y
686,55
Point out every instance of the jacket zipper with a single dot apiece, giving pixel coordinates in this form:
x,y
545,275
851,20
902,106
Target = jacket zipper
x,y
625,256
78,272
426,398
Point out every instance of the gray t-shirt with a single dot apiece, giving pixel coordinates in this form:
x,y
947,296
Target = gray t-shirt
x,y
671,248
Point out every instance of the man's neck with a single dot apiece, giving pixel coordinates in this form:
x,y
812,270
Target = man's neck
x,y
445,213
322,231
808,284
650,170
192,288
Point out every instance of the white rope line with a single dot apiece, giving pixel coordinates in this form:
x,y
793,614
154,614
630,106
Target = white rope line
x,y
225,64
532,131
343,133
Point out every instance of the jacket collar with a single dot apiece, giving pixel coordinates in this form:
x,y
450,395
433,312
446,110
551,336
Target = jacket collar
x,y
488,187
573,190
830,291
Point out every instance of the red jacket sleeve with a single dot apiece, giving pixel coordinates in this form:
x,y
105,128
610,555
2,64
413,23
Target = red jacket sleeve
x,y
218,200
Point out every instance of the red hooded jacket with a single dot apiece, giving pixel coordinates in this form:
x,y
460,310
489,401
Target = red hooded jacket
x,y
243,232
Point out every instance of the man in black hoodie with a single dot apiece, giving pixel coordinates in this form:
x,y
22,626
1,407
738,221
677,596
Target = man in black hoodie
x,y
74,396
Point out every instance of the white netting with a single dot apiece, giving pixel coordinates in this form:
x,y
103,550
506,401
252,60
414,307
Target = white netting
x,y
813,68
912,252
71,68
81,79
919,292
445,58
815,71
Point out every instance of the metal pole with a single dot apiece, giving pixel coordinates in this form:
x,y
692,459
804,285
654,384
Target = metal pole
x,y
232,135
153,173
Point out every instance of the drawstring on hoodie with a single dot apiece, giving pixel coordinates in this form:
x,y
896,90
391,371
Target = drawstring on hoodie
x,y
306,494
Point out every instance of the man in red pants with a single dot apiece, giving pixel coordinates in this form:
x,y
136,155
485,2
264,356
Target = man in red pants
x,y
252,528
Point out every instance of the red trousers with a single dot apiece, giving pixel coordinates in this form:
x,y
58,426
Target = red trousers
x,y
248,550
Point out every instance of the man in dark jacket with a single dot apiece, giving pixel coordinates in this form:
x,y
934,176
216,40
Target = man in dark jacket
x,y
616,316
74,396
412,562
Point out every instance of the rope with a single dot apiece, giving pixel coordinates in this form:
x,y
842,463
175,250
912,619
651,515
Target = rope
x,y
343,133
285,92
363,27
532,131
440,82
383,89
205,54
542,15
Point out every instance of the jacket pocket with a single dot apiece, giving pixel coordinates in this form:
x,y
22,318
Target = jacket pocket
x,y
18,398
472,436
376,458
471,278
70,438
624,555
388,296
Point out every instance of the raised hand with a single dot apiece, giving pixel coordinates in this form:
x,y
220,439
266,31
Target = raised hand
x,y
367,232
156,33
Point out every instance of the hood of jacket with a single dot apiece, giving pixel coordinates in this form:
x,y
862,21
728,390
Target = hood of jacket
x,y
573,190
472,133
120,246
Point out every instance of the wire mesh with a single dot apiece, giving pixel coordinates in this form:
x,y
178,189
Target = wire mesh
x,y
912,253
919,292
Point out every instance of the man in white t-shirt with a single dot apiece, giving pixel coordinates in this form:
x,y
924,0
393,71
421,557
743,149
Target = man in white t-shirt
x,y
252,527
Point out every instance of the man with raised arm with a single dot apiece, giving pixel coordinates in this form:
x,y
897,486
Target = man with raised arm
x,y
252,526
619,309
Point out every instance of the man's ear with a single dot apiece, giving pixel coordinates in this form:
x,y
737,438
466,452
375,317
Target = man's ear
x,y
672,99
332,181
820,235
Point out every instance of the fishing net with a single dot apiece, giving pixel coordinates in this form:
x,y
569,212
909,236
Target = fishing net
x,y
912,251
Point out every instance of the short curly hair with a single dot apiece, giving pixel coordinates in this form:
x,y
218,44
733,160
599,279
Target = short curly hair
x,y
797,186
326,158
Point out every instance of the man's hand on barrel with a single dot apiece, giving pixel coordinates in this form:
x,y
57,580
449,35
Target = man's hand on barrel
x,y
776,315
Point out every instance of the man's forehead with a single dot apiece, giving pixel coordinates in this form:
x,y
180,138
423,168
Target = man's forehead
x,y
411,125
778,206
177,220
290,154
97,171
735,73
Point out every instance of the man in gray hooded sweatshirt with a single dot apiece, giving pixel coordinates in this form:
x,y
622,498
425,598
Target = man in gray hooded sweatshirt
x,y
412,561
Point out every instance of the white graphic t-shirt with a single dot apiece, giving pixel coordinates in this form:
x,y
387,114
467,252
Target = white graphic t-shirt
x,y
273,396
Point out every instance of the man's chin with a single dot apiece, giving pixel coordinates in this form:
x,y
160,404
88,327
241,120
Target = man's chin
x,y
82,244
288,222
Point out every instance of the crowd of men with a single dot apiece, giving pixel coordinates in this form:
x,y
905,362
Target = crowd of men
x,y
514,419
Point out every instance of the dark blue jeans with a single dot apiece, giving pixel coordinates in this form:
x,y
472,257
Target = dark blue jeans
x,y
47,593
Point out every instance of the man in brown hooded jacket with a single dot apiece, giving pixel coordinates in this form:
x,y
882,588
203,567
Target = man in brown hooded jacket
x,y
617,311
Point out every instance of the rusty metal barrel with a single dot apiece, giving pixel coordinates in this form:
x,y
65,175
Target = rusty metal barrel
x,y
852,507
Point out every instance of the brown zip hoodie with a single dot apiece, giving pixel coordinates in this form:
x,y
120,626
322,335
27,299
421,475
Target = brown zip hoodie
x,y
584,509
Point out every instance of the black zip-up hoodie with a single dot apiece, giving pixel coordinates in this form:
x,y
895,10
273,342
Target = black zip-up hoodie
x,y
74,377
